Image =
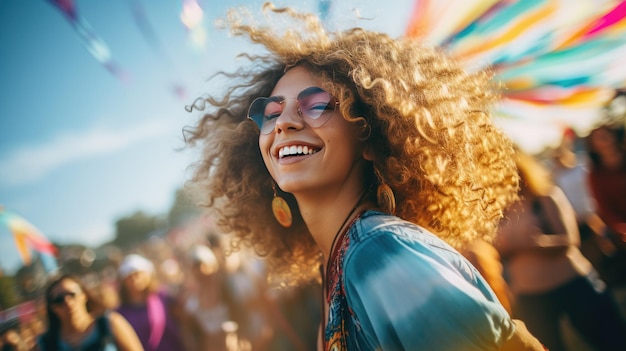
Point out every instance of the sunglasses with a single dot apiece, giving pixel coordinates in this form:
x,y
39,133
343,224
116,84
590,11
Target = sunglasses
x,y
60,298
315,105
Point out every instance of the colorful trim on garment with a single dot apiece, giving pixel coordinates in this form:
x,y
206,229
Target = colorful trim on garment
x,y
335,295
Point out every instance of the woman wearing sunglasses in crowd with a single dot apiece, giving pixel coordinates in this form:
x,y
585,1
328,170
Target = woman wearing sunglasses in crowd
x,y
364,161
76,321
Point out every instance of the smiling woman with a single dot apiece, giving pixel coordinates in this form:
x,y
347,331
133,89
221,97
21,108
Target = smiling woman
x,y
382,159
76,321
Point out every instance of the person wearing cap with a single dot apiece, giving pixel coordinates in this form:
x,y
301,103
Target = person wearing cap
x,y
155,316
207,301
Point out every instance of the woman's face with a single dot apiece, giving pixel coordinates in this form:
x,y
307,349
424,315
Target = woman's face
x,y
138,281
67,298
320,158
603,141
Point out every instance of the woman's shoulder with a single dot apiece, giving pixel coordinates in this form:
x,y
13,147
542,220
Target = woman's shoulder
x,y
111,316
99,335
376,233
103,323
375,226
398,261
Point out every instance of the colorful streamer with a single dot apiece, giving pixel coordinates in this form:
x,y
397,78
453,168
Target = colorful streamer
x,y
147,30
92,42
616,18
560,61
26,236
192,18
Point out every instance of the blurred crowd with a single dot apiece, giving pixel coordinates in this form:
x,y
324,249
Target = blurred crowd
x,y
558,260
558,264
172,297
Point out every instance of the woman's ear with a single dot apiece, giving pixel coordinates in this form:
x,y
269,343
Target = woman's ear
x,y
366,132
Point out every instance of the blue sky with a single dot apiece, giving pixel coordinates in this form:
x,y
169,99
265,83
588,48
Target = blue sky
x,y
79,148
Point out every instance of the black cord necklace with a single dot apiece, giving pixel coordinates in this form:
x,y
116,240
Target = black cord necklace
x,y
332,246
325,289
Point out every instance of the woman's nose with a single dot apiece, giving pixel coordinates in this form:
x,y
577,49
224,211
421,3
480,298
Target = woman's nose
x,y
290,118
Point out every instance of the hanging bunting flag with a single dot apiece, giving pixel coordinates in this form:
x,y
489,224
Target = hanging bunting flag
x,y
559,61
192,18
149,34
615,19
93,43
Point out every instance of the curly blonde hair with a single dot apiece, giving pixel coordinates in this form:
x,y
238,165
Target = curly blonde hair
x,y
428,120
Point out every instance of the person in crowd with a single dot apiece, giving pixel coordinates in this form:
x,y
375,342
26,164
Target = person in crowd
x,y
11,338
607,181
31,328
207,304
607,178
570,173
76,321
323,139
157,317
548,274
295,314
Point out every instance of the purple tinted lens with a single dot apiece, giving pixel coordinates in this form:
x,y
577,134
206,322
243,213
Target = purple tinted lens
x,y
314,103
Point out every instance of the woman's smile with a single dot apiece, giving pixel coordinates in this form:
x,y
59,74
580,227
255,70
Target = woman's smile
x,y
296,150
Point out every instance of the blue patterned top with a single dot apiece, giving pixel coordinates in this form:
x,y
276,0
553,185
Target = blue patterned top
x,y
393,285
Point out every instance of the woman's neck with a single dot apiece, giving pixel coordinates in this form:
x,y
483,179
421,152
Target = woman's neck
x,y
138,297
74,328
328,217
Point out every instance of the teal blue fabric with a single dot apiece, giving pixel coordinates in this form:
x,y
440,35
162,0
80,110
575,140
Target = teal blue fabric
x,y
396,286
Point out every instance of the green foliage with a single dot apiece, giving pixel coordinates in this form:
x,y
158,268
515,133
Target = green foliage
x,y
8,293
135,229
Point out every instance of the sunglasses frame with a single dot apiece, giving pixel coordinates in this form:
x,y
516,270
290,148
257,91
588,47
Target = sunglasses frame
x,y
265,129
59,299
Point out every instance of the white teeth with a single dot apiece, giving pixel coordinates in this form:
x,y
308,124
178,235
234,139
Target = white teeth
x,y
295,150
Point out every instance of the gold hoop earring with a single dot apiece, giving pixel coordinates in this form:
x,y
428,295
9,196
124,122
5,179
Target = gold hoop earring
x,y
281,210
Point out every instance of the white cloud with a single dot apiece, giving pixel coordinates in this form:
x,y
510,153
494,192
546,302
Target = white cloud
x,y
32,162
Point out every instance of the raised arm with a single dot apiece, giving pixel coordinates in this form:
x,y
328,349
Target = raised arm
x,y
561,218
551,227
